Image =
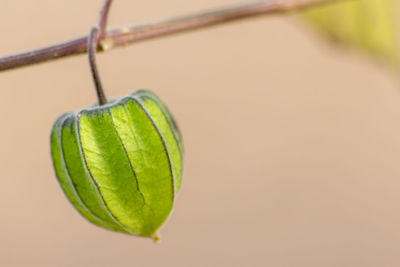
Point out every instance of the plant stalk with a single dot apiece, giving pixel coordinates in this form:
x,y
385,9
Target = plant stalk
x,y
123,36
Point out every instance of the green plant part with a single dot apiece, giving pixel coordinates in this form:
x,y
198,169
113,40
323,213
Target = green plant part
x,y
368,25
120,164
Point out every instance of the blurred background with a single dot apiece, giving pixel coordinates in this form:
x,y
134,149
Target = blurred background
x,y
291,145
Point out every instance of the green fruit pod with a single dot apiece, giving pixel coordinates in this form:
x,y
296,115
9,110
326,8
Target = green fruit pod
x,y
120,164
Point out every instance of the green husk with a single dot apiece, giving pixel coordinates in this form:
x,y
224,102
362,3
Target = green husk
x,y
120,164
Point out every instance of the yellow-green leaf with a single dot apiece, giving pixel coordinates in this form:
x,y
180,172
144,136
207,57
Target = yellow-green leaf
x,y
368,25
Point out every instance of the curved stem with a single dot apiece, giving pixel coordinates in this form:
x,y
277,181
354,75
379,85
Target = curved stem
x,y
96,34
92,47
103,18
126,35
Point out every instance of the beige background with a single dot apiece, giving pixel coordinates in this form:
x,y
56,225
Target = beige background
x,y
292,147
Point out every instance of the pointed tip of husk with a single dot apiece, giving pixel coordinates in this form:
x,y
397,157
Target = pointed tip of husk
x,y
156,238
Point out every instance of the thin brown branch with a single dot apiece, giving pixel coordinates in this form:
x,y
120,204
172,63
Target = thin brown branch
x,y
126,35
